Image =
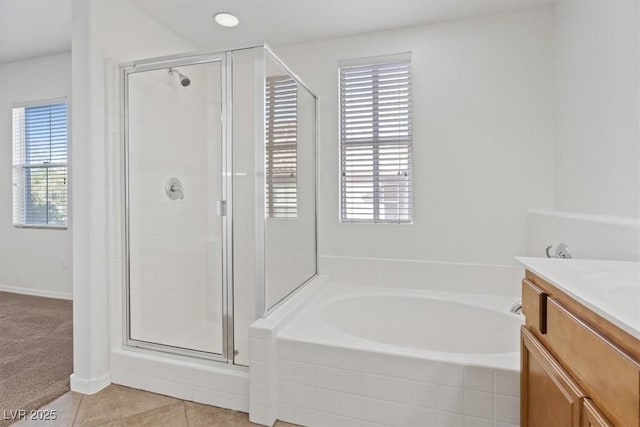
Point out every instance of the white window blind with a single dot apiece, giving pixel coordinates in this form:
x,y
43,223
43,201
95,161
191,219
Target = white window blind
x,y
375,139
281,147
40,165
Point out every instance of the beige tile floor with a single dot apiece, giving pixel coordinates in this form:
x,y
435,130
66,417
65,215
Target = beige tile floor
x,y
122,406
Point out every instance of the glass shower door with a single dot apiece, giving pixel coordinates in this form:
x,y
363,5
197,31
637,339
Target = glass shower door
x,y
175,223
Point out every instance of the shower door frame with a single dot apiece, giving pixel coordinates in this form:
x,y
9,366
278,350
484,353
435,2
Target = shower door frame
x,y
224,58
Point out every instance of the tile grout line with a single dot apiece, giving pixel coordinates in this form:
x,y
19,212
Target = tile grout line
x,y
77,410
186,417
137,414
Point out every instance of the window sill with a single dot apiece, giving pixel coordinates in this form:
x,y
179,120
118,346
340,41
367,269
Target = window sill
x,y
366,222
41,226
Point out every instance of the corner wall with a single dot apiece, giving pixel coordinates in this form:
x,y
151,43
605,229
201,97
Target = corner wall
x,y
597,75
597,133
32,261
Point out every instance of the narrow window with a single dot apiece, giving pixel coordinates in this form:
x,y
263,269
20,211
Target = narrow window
x,y
375,140
40,165
281,147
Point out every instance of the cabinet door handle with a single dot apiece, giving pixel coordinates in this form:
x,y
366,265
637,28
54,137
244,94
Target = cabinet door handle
x,y
534,306
542,315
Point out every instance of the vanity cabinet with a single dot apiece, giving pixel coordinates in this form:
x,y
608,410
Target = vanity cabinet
x,y
552,397
591,417
578,369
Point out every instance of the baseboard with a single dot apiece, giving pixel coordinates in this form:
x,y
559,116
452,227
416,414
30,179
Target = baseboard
x,y
92,386
36,292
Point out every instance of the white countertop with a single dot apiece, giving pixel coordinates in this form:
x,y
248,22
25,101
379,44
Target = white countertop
x,y
609,288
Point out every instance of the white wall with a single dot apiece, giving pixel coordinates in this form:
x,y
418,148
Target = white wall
x,y
597,133
483,136
597,77
34,261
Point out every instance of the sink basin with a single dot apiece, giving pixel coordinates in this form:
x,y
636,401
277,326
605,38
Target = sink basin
x,y
629,293
617,292
626,279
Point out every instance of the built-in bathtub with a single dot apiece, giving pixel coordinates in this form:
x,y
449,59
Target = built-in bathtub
x,y
359,355
444,323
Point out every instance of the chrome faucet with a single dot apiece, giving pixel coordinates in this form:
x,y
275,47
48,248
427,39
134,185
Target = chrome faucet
x,y
562,251
516,307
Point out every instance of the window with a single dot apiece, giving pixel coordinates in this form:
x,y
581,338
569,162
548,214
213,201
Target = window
x,y
375,140
281,147
40,165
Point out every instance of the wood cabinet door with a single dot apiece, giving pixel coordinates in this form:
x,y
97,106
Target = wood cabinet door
x,y
591,416
549,397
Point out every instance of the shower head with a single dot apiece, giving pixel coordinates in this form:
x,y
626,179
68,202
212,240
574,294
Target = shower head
x,y
184,80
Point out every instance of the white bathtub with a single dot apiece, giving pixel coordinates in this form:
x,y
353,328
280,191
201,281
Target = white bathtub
x,y
425,323
357,355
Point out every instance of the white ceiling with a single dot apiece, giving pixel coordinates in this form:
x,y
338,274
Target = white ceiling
x,y
30,28
282,22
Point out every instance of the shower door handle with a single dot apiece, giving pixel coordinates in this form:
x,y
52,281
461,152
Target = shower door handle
x,y
222,207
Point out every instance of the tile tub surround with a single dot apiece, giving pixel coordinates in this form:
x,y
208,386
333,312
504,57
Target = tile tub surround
x,y
322,385
302,378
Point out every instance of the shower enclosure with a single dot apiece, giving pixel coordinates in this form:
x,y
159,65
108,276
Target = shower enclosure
x,y
219,198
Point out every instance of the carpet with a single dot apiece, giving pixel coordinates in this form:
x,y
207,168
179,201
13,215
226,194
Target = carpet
x,y
36,351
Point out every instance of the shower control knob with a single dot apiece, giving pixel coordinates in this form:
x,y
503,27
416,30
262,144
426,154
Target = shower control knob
x,y
174,190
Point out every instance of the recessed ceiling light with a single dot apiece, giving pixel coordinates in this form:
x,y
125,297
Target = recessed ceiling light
x,y
226,19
